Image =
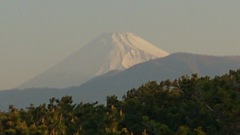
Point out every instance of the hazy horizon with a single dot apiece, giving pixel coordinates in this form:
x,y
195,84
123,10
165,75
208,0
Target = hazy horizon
x,y
35,35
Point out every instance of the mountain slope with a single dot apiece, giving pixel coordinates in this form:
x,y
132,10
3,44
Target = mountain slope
x,y
108,52
169,67
118,82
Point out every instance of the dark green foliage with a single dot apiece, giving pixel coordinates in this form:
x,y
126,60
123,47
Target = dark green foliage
x,y
191,105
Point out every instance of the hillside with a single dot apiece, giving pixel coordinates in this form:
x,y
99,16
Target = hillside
x,y
118,82
170,67
190,105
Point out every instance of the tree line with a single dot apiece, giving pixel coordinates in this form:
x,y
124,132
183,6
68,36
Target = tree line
x,y
189,105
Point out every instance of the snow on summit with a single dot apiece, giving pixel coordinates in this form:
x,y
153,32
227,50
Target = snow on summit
x,y
134,49
108,52
136,42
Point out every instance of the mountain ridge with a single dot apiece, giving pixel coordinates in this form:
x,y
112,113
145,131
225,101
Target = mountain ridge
x,y
169,67
118,82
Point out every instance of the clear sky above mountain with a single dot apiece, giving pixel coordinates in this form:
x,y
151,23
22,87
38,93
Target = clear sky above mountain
x,y
35,35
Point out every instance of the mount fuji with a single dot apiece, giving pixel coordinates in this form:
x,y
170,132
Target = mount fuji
x,y
108,52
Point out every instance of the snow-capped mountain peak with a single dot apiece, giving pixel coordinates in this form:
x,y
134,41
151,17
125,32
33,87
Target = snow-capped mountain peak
x,y
128,50
108,52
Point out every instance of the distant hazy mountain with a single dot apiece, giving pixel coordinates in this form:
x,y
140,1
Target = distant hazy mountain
x,y
108,52
170,67
118,82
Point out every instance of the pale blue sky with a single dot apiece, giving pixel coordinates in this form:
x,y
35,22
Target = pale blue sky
x,y
36,34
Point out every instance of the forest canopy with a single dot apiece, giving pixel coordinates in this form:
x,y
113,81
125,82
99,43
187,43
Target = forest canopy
x,y
190,105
